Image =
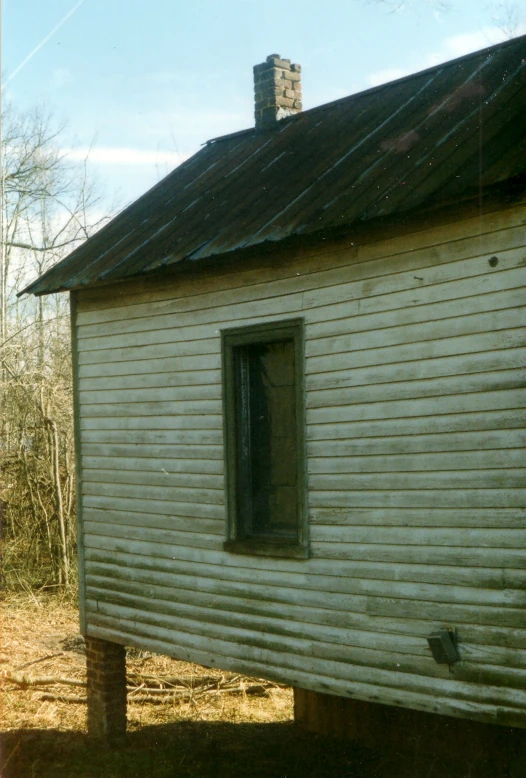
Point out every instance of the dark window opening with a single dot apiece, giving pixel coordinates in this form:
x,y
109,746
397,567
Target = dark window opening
x,y
264,436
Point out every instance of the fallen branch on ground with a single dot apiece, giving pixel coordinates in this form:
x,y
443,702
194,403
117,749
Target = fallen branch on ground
x,y
189,681
163,699
62,698
36,661
25,680
190,687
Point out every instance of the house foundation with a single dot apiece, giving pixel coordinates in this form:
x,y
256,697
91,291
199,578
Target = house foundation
x,y
106,674
455,746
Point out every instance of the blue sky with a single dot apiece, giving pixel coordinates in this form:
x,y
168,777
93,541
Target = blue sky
x,y
145,82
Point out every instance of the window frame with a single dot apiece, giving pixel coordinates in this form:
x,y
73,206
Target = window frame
x,y
232,338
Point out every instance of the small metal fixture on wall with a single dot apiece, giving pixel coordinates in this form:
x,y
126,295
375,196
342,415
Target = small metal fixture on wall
x,y
443,645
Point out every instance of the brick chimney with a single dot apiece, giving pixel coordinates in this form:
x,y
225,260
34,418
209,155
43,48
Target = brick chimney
x,y
277,89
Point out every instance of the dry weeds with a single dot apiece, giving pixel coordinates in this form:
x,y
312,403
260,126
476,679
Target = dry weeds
x,y
41,642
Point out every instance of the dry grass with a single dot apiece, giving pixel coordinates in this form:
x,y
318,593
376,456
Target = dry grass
x,y
219,734
40,638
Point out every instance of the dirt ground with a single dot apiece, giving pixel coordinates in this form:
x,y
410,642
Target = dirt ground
x,y
212,733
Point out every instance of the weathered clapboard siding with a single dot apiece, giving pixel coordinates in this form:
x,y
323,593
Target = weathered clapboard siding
x,y
414,374
421,302
434,297
336,305
409,661
335,576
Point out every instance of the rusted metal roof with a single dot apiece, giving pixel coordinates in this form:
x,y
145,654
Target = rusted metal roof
x,y
439,135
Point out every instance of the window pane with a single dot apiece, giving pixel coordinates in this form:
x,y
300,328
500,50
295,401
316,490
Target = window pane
x,y
266,439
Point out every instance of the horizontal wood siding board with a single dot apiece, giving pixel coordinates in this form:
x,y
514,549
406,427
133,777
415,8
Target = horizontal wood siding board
x,y
155,381
101,353
179,420
414,372
452,369
399,281
162,507
176,453
203,362
157,402
136,404
483,420
338,317
153,437
143,520
432,442
381,645
189,495
157,534
378,642
429,536
487,459
498,439
436,479
160,478
98,538
210,466
458,323
438,555
410,498
478,518
436,303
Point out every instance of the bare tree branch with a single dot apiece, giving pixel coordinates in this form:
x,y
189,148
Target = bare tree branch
x,y
47,208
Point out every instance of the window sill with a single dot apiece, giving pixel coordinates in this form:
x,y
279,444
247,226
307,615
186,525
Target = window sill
x,y
267,547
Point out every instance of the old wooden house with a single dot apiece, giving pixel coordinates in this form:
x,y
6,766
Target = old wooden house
x,y
299,402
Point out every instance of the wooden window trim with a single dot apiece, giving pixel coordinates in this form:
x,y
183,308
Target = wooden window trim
x,y
292,329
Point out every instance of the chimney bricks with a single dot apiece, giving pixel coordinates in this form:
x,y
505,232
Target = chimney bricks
x,y
277,89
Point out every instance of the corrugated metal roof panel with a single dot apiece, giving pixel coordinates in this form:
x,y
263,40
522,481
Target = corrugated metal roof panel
x,y
423,139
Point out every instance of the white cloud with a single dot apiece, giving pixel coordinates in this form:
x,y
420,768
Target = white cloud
x,y
189,125
61,77
126,156
389,74
452,47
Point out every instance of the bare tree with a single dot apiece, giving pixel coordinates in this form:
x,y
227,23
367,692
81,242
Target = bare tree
x,y
506,15
48,207
399,5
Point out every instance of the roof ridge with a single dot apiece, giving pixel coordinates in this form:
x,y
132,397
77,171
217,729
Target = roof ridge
x,y
355,95
448,63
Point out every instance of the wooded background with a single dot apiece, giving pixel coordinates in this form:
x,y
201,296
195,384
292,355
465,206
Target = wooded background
x,y
48,206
